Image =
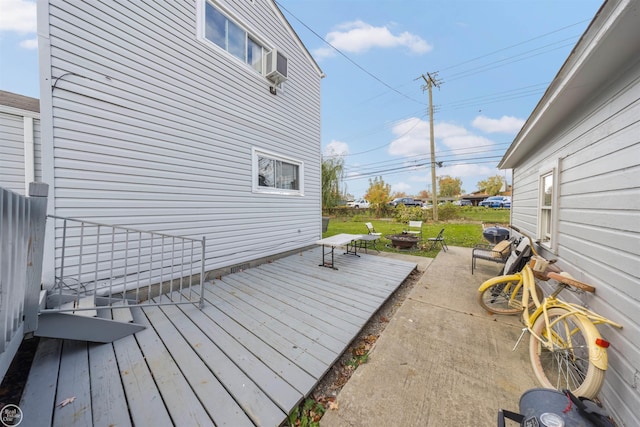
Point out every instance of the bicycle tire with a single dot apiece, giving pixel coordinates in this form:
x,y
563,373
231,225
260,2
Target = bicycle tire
x,y
569,365
496,299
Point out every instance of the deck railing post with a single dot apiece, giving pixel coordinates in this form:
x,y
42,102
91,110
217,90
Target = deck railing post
x,y
38,193
202,258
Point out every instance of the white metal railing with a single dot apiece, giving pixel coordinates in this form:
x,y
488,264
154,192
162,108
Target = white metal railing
x,y
116,263
22,226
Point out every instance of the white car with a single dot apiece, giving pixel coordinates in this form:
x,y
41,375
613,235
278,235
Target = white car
x,y
360,203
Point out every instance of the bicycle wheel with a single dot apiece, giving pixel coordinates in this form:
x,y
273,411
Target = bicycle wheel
x,y
498,298
567,366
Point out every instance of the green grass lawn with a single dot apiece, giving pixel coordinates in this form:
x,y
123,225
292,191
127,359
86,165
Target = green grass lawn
x,y
465,232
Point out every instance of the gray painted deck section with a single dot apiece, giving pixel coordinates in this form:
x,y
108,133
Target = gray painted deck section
x,y
264,339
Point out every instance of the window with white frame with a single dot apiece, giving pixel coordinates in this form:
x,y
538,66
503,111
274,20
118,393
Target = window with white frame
x,y
230,36
277,174
547,204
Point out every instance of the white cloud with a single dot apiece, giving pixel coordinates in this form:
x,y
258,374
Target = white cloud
x,y
461,171
19,16
336,148
505,124
458,138
400,186
29,44
412,138
358,37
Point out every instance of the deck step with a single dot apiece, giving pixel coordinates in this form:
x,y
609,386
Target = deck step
x,y
83,328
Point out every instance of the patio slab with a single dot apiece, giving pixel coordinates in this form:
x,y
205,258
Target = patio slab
x,y
442,360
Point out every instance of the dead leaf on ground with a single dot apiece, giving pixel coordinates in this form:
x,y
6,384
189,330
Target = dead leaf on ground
x,y
66,401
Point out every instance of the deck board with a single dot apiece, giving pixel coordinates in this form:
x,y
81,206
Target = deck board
x,y
257,405
311,355
220,406
145,401
73,384
39,395
109,406
260,344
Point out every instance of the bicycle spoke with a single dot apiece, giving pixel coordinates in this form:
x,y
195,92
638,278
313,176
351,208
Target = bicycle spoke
x,y
560,353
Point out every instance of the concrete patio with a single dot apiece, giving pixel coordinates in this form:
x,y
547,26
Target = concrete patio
x,y
442,360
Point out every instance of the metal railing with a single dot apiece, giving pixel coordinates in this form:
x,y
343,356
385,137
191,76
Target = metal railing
x,y
113,264
22,227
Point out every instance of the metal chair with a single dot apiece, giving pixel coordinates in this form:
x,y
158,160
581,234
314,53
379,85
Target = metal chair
x,y
498,253
438,239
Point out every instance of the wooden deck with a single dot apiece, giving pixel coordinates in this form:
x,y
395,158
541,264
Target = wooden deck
x,y
264,339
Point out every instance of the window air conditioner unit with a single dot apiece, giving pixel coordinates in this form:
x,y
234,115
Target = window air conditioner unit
x,y
276,67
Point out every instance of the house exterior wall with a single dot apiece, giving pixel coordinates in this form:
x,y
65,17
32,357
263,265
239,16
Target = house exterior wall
x,y
597,155
20,151
153,128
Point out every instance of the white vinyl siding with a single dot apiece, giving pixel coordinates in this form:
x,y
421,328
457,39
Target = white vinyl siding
x,y
12,153
153,129
598,220
16,159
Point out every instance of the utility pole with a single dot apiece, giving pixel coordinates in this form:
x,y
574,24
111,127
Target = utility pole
x,y
430,82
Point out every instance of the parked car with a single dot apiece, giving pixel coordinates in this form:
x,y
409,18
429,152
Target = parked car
x,y
496,202
463,203
407,201
360,203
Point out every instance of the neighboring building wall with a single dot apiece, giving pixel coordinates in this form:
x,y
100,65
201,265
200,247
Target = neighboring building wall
x,y
19,142
155,129
597,155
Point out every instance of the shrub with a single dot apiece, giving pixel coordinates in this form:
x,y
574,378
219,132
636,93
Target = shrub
x,y
448,211
405,214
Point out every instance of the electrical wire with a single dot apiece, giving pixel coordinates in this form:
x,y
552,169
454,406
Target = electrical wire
x,y
370,74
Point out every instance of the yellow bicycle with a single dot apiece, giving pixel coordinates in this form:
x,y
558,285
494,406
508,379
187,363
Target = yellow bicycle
x,y
565,348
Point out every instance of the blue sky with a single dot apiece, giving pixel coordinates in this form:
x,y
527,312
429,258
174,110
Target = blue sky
x,y
493,58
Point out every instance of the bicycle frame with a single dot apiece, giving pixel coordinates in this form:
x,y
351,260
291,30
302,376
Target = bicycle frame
x,y
526,280
565,347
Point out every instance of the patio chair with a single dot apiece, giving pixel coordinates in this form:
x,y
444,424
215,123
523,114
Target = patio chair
x,y
371,232
438,239
498,253
415,229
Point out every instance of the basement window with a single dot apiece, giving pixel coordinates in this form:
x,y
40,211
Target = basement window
x,y
277,174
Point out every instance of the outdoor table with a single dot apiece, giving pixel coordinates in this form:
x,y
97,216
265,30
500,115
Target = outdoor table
x,y
347,240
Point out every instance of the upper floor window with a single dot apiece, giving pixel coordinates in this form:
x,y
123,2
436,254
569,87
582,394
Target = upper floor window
x,y
230,36
276,174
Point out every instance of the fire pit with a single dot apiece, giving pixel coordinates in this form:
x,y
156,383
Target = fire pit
x,y
403,240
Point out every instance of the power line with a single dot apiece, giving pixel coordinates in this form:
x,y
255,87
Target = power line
x,y
514,45
503,62
370,74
